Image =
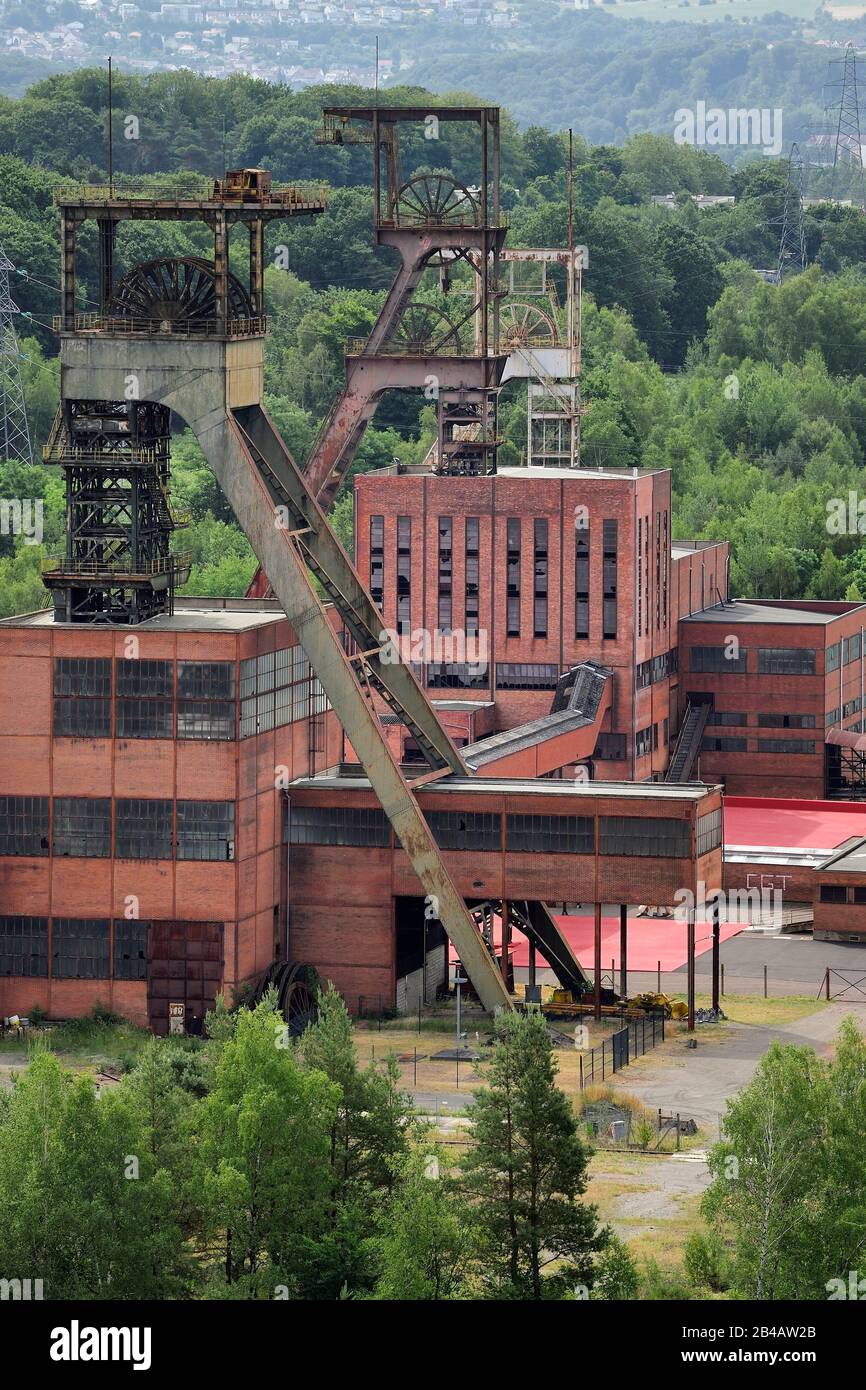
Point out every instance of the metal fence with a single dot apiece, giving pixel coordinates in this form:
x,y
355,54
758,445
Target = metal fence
x,y
624,1046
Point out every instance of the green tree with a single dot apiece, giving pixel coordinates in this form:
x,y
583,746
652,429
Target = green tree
x,y
526,1169
428,1248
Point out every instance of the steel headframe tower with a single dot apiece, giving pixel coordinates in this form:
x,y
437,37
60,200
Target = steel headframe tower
x,y
792,246
848,147
14,430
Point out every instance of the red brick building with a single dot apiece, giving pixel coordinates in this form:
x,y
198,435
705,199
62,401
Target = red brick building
x,y
141,785
548,567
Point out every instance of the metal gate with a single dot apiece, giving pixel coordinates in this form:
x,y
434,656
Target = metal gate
x,y
184,967
847,985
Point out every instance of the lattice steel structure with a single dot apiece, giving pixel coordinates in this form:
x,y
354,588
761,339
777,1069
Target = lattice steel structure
x,y
792,246
14,431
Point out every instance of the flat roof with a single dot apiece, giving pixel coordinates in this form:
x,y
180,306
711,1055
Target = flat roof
x,y
790,833
637,791
746,611
192,615
524,471
522,736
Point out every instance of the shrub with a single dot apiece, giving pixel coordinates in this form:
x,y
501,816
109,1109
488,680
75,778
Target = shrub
x,y
706,1261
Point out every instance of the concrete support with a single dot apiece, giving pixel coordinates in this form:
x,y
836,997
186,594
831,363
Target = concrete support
x,y
257,258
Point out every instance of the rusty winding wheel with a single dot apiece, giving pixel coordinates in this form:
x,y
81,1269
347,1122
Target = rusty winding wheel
x,y
435,200
423,329
296,987
524,324
176,290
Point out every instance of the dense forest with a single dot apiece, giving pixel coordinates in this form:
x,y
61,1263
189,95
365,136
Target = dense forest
x,y
752,393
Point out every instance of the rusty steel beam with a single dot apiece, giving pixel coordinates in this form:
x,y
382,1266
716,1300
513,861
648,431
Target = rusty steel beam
x,y
224,446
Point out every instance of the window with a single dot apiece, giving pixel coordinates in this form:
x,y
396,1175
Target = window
x,y
24,825
206,699
377,559
609,567
82,827
659,668
833,893
130,950
709,831
472,575
851,707
446,530
143,828
831,660
539,597
645,837
853,646
24,946
786,721
639,576
144,698
276,689
724,745
404,574
643,742
716,659
444,675
665,562
337,825
658,570
512,576
551,834
79,948
832,717
785,745
581,582
786,661
466,829
729,718
206,830
612,747
528,676
82,697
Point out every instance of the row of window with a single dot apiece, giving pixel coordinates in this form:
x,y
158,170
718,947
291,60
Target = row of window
x,y
513,551
662,560
739,719
841,653
482,830
78,948
761,745
772,661
152,698
278,688
646,740
658,669
143,828
840,893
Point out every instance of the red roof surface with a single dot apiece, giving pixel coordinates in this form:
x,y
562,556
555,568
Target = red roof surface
x,y
756,821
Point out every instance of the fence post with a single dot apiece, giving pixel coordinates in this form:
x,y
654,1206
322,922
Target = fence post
x,y
827,981
765,982
659,978
415,1067
678,1131
722,982
581,1071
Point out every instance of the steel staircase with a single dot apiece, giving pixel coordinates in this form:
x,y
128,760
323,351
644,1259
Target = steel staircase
x,y
688,743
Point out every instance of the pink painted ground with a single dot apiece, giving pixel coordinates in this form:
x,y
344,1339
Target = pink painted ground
x,y
650,940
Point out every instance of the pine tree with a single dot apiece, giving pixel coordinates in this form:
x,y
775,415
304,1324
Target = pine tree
x,y
526,1169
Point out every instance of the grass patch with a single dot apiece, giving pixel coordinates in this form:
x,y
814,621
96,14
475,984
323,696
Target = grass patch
x,y
82,1039
754,1009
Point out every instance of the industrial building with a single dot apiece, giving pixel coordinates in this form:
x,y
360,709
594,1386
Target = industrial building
x,y
206,795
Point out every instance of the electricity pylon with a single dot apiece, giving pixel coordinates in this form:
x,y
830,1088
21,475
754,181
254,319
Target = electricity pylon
x,y
792,247
14,430
848,146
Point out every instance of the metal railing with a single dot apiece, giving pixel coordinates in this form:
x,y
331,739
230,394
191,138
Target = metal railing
x,y
358,347
164,328
61,451
313,195
97,568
